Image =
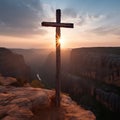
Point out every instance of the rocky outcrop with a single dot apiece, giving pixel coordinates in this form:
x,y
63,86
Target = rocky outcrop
x,y
27,103
101,64
5,81
109,99
13,65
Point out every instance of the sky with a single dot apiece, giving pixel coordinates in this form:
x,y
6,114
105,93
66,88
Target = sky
x,y
96,23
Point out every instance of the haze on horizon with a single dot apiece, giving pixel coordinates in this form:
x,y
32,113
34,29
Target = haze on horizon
x,y
96,23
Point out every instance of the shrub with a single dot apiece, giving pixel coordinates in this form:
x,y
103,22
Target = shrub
x,y
37,84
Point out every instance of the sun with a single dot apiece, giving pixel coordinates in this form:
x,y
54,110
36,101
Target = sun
x,y
61,41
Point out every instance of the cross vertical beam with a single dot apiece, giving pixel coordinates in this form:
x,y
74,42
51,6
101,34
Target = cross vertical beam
x,y
58,59
58,24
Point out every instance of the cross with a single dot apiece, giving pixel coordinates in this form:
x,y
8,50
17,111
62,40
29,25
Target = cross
x,y
58,24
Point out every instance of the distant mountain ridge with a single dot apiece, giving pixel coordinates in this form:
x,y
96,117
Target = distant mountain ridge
x,y
102,50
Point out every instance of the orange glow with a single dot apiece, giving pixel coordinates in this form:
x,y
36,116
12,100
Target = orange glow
x,y
69,39
63,43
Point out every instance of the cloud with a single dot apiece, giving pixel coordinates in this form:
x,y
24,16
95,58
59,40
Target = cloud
x,y
69,12
21,17
108,24
99,24
104,30
89,19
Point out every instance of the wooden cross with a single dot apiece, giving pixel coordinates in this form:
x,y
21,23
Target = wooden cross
x,y
58,24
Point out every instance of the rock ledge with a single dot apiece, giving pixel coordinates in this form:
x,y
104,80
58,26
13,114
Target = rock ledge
x,y
27,103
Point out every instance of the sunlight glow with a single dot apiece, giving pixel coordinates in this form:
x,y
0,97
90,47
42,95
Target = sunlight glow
x,y
62,42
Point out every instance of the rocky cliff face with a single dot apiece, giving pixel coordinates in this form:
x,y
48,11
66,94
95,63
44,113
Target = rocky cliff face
x,y
102,64
13,65
35,103
27,103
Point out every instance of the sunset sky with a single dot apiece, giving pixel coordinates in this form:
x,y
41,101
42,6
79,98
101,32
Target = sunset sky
x,y
96,23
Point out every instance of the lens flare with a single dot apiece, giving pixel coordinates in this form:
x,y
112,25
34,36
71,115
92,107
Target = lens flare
x,y
61,41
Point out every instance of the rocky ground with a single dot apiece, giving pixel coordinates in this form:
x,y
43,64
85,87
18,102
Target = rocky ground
x,y
27,103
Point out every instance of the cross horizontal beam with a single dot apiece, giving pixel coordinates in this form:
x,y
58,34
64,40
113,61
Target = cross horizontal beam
x,y
54,24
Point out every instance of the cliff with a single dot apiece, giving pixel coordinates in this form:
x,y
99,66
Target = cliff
x,y
99,63
27,103
13,65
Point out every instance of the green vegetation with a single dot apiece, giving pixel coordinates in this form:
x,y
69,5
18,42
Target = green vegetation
x,y
36,84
